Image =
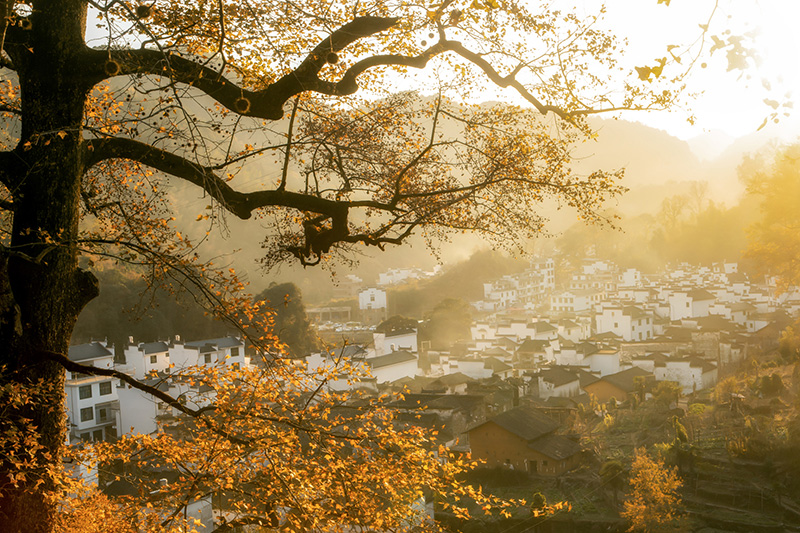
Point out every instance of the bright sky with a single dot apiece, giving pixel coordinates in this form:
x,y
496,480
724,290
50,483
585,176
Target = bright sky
x,y
732,102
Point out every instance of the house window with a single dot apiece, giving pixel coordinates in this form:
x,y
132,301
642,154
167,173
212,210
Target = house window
x,y
544,462
102,414
86,437
87,413
207,358
97,435
85,392
153,359
105,388
234,351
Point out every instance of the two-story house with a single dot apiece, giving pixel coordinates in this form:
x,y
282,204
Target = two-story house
x,y
92,401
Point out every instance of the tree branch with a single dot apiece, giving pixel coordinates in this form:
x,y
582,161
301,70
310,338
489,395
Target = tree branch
x,y
266,103
238,203
511,81
72,366
320,235
198,414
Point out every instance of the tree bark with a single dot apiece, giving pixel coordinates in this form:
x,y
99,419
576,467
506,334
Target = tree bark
x,y
42,290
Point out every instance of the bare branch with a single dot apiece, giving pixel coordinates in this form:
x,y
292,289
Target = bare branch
x,y
266,103
238,203
72,366
286,155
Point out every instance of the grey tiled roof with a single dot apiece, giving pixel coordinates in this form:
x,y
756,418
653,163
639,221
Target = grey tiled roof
x,y
496,365
92,350
525,423
218,344
153,347
393,358
532,346
558,376
626,379
700,294
555,447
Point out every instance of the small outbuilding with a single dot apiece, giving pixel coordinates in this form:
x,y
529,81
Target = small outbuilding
x,y
523,439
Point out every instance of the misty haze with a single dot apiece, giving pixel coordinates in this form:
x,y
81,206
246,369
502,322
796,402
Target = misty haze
x,y
471,266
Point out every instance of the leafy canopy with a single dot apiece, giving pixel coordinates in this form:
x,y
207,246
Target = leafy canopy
x,y
653,503
191,98
774,240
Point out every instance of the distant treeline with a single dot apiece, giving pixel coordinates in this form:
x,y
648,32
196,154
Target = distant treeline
x,y
705,234
126,308
462,281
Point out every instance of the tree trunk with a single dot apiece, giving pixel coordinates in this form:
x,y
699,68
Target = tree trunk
x,y
41,288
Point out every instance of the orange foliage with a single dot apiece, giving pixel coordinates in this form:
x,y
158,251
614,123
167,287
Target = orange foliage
x,y
654,503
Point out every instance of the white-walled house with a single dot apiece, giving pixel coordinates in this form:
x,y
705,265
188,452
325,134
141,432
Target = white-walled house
x,y
517,329
395,276
535,351
473,367
501,292
543,331
393,366
629,322
603,362
571,330
145,358
568,354
226,350
525,288
690,304
737,312
139,411
558,382
372,299
401,339
498,368
649,361
480,331
691,373
576,301
638,295
534,283
593,267
92,401
630,278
